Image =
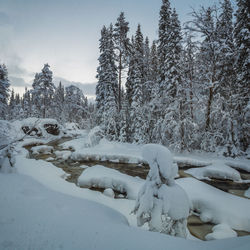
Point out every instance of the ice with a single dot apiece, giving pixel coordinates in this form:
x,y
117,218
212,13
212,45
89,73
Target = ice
x,y
217,170
221,231
102,177
43,149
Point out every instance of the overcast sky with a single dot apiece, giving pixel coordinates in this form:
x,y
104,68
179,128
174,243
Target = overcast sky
x,y
65,34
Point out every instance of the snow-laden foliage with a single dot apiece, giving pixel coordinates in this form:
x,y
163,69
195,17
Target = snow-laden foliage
x,y
4,91
161,202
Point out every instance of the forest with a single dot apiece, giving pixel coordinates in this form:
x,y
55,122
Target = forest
x,y
187,90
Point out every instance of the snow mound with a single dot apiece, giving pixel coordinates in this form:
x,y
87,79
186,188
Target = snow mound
x,y
247,193
185,161
109,192
42,149
217,170
160,157
63,155
239,165
175,201
105,151
102,177
217,206
221,231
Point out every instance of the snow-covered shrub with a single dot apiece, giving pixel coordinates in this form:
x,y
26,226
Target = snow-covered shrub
x,y
95,135
161,202
7,160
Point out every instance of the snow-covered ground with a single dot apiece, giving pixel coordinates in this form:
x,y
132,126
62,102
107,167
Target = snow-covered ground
x,y
40,210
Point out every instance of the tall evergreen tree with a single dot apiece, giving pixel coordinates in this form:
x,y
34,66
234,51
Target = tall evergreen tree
x,y
4,91
43,90
122,47
242,65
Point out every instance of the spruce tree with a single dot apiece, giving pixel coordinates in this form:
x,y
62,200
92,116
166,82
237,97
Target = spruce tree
x,y
4,91
242,65
122,49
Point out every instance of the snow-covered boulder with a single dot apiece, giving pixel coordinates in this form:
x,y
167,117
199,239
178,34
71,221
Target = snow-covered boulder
x,y
40,127
221,231
217,170
103,177
42,149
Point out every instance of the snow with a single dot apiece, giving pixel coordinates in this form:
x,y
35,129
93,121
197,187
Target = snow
x,y
186,161
102,177
158,156
217,206
104,151
63,155
43,149
221,231
109,192
239,165
247,193
217,170
35,217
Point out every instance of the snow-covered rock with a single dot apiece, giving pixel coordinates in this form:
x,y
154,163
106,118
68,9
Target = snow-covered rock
x,y
63,155
217,170
217,206
247,193
42,149
102,177
109,192
221,231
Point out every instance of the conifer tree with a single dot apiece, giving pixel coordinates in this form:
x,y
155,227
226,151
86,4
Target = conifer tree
x,y
122,47
4,91
242,65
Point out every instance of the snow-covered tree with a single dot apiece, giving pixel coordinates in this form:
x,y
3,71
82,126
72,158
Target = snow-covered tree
x,y
162,203
43,90
58,103
75,105
107,87
242,65
4,91
122,49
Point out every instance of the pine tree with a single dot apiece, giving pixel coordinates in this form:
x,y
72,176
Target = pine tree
x,y
107,93
43,91
4,91
122,47
27,103
75,105
242,65
58,103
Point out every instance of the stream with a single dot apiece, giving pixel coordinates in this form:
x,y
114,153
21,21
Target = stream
x,y
196,227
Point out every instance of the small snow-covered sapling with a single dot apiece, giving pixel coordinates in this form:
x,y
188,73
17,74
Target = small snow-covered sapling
x,y
161,202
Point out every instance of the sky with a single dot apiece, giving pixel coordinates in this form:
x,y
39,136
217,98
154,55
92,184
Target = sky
x,y
65,34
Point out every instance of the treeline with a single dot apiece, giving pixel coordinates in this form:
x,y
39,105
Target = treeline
x,y
45,100
180,91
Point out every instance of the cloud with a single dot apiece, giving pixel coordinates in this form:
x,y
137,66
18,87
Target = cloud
x,y
18,82
4,18
87,88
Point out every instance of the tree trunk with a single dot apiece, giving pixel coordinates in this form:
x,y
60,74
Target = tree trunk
x,y
119,82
